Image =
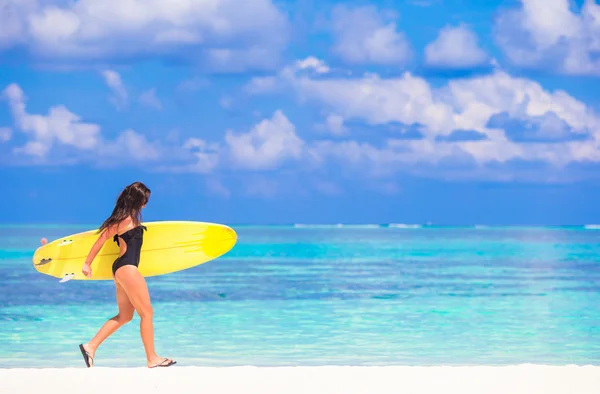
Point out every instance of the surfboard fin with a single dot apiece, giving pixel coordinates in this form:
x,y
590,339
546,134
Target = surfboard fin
x,y
67,278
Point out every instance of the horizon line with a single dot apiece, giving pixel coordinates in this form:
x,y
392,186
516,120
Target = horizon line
x,y
334,225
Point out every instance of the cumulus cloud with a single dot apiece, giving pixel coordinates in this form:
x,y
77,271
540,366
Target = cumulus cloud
x,y
455,47
59,124
62,128
556,128
217,32
363,35
128,144
115,83
548,127
407,100
312,63
13,19
267,84
550,34
266,145
206,155
335,124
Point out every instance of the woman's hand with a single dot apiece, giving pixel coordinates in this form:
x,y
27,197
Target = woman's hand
x,y
87,270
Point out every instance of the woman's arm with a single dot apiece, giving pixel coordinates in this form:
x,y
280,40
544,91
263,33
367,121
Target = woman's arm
x,y
106,234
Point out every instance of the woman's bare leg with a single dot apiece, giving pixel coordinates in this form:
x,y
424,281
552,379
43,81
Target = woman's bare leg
x,y
113,324
135,286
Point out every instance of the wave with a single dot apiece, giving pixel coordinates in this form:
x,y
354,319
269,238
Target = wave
x,y
403,225
338,225
359,226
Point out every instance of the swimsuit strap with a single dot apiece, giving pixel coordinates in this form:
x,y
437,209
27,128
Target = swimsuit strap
x,y
116,236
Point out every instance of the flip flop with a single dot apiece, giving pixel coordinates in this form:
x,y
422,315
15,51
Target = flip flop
x,y
162,364
86,356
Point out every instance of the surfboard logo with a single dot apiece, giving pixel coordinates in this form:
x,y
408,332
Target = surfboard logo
x,y
44,262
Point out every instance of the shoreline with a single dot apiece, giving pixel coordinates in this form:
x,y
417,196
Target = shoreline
x,y
513,379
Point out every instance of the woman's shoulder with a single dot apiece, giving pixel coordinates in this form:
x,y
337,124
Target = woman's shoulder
x,y
125,224
121,226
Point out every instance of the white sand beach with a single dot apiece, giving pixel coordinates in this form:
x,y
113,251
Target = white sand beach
x,y
521,379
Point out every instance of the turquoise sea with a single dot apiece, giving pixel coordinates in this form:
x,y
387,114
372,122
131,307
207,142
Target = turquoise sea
x,y
327,295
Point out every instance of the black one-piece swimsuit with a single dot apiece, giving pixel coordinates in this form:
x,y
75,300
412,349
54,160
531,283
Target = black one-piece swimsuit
x,y
133,239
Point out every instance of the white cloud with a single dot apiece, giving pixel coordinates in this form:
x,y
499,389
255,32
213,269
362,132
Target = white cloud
x,y
408,99
149,99
266,84
61,125
455,47
462,104
548,34
334,124
13,19
312,63
115,83
364,36
5,134
267,145
58,125
191,29
206,155
128,145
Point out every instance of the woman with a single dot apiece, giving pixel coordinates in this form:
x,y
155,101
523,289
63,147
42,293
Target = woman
x,y
124,226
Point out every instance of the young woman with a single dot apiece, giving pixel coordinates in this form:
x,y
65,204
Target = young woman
x,y
124,226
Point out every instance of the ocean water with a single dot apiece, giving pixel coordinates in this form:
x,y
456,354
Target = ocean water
x,y
327,295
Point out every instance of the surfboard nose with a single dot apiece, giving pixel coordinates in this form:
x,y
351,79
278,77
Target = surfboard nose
x,y
224,241
230,232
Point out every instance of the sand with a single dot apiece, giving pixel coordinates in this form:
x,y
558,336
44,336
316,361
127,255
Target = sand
x,y
525,379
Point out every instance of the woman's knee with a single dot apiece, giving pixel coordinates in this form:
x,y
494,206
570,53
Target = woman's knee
x,y
122,318
145,312
125,318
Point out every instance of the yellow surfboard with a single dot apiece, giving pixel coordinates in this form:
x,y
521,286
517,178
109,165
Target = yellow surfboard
x,y
168,246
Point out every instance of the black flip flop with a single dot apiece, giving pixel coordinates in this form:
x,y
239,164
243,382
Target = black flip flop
x,y
162,364
86,356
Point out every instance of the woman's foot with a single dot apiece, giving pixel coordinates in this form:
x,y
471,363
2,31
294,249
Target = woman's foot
x,y
160,362
88,354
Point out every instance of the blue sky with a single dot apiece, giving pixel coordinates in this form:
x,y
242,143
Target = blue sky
x,y
442,111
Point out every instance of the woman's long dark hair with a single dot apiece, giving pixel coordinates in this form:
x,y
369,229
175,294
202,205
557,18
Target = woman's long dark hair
x,y
129,203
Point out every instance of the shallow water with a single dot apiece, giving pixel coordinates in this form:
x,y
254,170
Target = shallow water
x,y
323,295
